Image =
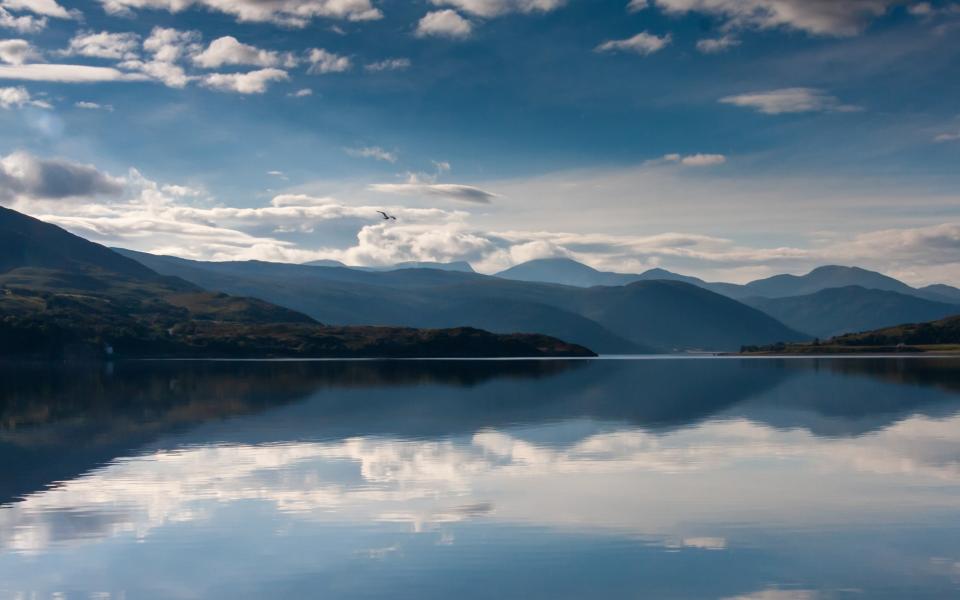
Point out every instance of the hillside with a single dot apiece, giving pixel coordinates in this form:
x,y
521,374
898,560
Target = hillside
x,y
63,296
602,318
836,311
822,278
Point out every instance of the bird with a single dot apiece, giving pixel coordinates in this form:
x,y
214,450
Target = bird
x,y
386,217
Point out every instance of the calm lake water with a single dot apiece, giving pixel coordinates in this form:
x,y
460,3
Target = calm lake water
x,y
714,478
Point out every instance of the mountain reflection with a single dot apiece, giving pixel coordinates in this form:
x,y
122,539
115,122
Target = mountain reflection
x,y
370,461
56,423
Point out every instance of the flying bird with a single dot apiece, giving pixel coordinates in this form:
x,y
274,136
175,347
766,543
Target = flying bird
x,y
387,217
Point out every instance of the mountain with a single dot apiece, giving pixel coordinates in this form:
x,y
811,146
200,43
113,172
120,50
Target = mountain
x,y
461,266
563,271
650,316
940,293
63,296
835,311
822,278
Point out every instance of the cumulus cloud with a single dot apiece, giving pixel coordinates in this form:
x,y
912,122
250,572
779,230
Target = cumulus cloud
x,y
643,43
416,186
697,160
228,50
289,13
496,8
165,47
375,152
66,73
389,64
17,52
46,8
790,100
444,23
817,17
322,62
117,46
18,97
21,24
24,177
254,82
717,45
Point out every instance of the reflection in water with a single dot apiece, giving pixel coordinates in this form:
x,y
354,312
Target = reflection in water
x,y
766,478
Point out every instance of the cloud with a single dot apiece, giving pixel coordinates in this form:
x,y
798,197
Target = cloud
x,y
66,73
17,52
301,93
254,82
22,24
643,43
948,137
166,46
25,177
389,64
414,186
93,106
817,17
373,152
790,100
169,45
717,45
444,23
18,97
496,8
288,13
697,160
46,8
117,46
322,62
228,50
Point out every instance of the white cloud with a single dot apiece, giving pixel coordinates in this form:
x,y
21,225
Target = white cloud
x,y
254,82
496,8
23,23
818,17
170,45
717,45
24,177
93,106
289,13
697,160
301,93
228,50
18,97
170,74
117,46
389,64
17,52
790,100
66,73
444,23
643,43
373,152
322,62
46,8
415,186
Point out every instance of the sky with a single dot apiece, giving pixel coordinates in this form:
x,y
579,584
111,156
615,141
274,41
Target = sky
x,y
727,139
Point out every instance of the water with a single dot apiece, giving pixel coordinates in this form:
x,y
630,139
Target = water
x,y
708,478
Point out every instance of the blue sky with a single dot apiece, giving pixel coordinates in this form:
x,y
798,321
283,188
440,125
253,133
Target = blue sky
x,y
723,138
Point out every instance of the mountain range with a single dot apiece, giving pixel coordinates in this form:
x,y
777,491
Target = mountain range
x,y
645,316
63,296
